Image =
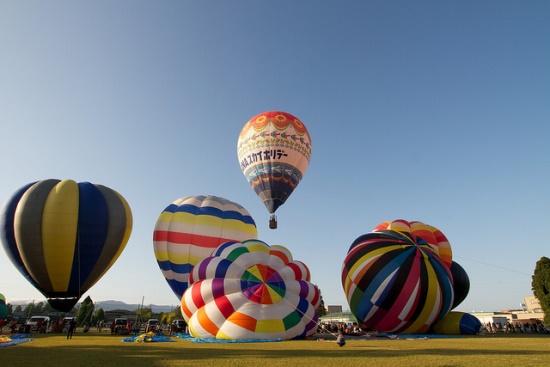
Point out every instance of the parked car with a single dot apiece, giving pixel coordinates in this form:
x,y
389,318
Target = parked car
x,y
152,325
121,326
37,323
180,326
67,320
121,322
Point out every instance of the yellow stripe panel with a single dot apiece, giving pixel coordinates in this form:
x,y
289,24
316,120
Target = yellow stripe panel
x,y
207,220
178,258
223,336
59,229
419,325
256,272
257,247
275,297
270,326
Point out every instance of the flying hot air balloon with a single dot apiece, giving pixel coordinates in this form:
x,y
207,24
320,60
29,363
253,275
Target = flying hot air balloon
x,y
274,150
190,228
63,236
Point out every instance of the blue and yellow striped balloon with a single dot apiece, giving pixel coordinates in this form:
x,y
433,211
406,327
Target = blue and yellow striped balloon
x,y
190,228
457,323
63,236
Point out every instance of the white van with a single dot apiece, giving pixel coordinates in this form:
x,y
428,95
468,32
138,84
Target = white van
x,y
37,322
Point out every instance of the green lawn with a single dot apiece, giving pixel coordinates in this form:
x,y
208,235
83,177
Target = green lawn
x,y
103,349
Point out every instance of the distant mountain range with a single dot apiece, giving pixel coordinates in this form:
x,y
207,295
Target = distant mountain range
x,y
118,305
111,305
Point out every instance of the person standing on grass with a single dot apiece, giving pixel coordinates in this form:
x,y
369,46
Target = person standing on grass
x,y
70,330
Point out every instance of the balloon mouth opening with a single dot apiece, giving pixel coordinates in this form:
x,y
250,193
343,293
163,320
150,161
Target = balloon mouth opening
x,y
63,304
273,222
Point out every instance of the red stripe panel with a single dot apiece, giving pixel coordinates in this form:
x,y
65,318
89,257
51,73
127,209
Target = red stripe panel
x,y
188,238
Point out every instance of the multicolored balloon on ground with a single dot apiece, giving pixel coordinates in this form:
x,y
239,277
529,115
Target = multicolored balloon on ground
x,y
190,228
457,323
433,236
250,290
274,150
63,236
395,282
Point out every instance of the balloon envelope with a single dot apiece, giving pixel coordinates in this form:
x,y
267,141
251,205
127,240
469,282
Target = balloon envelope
x,y
251,290
433,236
457,323
3,307
190,228
274,150
3,311
394,282
63,236
461,283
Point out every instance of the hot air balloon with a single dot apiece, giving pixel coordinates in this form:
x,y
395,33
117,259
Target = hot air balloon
x,y
251,291
3,308
190,228
461,283
433,236
63,236
274,150
457,323
394,282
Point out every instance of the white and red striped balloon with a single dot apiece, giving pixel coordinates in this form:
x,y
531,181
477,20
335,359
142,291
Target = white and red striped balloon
x,y
250,290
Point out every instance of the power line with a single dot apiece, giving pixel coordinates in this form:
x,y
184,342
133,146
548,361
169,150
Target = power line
x,y
494,266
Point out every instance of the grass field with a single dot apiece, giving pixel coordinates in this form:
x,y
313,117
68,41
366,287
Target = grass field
x,y
103,349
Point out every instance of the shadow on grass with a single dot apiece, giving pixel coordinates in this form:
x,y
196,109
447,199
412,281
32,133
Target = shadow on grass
x,y
111,351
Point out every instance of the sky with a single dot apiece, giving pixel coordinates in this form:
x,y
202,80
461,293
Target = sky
x,y
436,111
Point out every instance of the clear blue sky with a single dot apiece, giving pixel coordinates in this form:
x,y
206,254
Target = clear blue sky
x,y
437,111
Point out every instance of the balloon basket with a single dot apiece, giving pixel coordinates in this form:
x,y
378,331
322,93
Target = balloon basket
x,y
273,222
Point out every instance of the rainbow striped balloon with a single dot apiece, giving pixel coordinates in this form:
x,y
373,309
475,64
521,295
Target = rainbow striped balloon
x,y
190,228
250,290
394,282
433,236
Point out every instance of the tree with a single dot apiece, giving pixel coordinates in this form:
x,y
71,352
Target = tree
x,y
84,314
29,308
541,286
145,313
39,307
321,310
47,308
99,315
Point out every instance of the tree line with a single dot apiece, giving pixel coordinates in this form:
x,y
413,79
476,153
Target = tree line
x,y
86,312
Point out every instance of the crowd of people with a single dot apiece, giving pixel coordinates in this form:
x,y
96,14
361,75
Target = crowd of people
x,y
517,327
340,328
129,327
